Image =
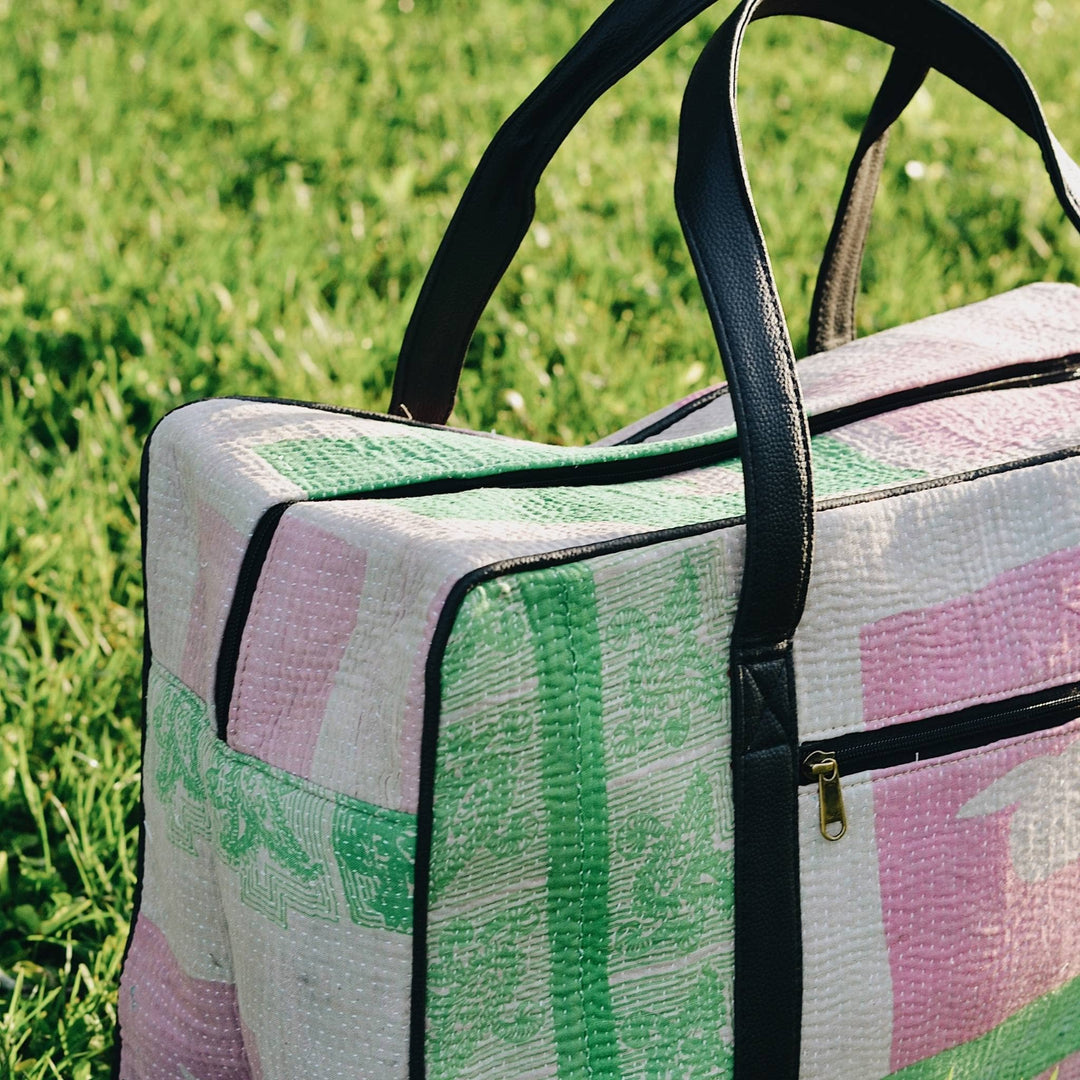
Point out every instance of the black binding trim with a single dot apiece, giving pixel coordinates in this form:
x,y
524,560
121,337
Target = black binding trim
x,y
669,420
1009,377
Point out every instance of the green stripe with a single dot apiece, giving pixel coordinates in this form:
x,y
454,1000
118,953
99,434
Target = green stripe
x,y
1039,1036
561,606
840,468
325,467
279,833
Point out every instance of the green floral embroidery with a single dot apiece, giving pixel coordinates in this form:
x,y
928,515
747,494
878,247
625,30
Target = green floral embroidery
x,y
475,977
683,878
375,857
668,679
295,847
689,1042
479,804
177,718
272,837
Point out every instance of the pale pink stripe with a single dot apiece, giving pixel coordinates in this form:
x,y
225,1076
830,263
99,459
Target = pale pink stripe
x,y
1020,632
965,432
173,1026
301,619
221,551
973,938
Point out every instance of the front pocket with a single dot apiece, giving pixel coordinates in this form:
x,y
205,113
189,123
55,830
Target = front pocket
x,y
944,927
826,762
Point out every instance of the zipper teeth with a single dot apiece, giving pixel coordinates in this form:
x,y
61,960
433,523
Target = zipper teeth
x,y
1028,373
952,733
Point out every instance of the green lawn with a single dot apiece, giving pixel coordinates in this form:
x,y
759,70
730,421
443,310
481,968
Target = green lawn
x,y
242,198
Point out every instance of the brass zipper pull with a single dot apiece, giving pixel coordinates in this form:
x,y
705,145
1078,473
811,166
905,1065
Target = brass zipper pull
x,y
832,817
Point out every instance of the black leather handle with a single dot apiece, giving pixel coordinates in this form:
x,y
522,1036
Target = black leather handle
x,y
832,313
498,205
722,230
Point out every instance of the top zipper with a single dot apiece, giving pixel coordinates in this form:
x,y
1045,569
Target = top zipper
x,y
1011,376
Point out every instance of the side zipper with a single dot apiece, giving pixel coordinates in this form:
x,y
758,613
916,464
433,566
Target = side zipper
x,y
823,761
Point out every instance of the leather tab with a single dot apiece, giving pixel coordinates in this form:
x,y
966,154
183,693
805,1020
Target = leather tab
x,y
768,919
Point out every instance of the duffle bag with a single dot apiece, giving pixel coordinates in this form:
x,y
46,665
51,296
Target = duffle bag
x,y
744,744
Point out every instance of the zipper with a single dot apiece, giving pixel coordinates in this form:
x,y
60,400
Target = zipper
x,y
1030,373
823,761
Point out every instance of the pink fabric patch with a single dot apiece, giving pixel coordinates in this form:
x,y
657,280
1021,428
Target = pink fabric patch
x,y
221,551
302,616
980,887
959,432
1021,632
169,1021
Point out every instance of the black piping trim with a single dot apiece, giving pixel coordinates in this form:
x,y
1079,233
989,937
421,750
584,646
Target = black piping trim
x,y
425,813
363,414
945,481
657,427
247,580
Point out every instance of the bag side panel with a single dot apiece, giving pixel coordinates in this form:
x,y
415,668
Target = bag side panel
x,y
580,916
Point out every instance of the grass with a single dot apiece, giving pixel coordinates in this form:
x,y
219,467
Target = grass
x,y
242,197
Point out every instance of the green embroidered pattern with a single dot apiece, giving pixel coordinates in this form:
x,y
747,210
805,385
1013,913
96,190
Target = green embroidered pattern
x,y
666,677
271,834
375,858
840,469
1022,1047
295,847
177,718
657,504
594,936
326,467
476,991
488,964
674,1028
682,878
561,604
667,706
